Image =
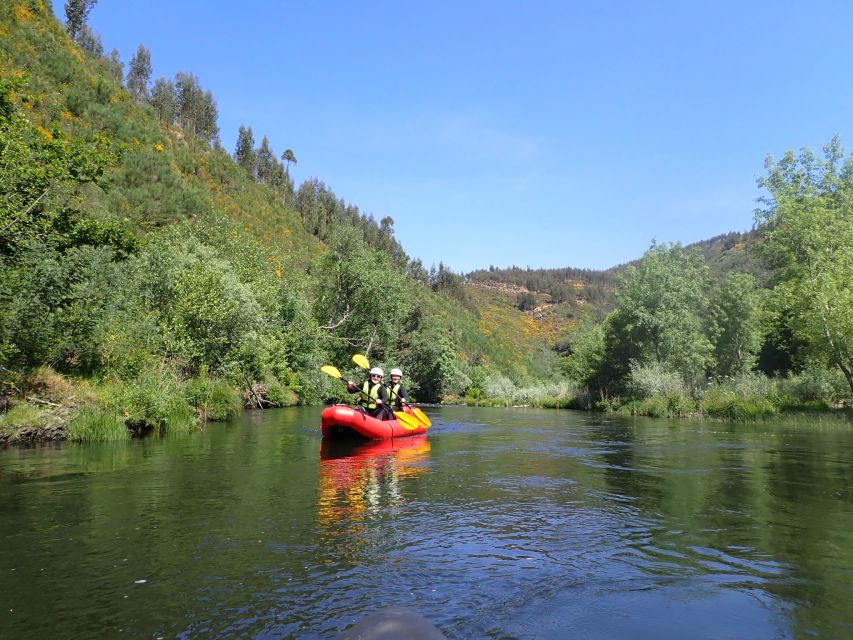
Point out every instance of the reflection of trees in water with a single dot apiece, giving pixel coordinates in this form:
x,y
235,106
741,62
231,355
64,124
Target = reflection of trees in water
x,y
766,513
807,490
618,441
359,481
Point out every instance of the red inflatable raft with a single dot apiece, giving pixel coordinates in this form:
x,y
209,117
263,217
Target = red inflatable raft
x,y
342,421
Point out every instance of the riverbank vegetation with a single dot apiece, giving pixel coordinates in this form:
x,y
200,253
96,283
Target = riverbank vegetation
x,y
150,280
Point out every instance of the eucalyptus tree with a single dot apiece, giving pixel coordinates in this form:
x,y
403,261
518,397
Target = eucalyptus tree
x,y
116,66
807,226
76,12
265,161
164,99
139,73
244,152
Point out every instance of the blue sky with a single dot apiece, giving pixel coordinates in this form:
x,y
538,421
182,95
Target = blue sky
x,y
541,134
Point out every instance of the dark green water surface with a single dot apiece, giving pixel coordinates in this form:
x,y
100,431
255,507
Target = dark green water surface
x,y
497,524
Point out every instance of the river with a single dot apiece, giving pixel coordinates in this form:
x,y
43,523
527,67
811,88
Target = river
x,y
513,523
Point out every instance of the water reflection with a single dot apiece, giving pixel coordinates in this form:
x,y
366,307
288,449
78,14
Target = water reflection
x,y
360,479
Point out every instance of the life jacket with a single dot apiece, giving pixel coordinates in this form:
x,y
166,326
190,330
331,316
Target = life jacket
x,y
393,392
372,394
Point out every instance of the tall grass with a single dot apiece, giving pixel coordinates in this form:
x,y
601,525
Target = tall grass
x,y
155,400
92,424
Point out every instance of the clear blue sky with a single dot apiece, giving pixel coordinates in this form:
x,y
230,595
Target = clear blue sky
x,y
541,134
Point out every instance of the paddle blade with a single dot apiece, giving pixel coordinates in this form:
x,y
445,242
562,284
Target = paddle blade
x,y
420,415
329,370
406,420
361,361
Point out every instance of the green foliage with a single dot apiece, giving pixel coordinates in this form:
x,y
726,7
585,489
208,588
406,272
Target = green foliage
x,y
359,299
525,301
815,383
53,305
585,363
430,360
807,226
76,12
38,171
654,379
139,73
281,395
724,404
672,405
93,424
212,398
661,305
736,323
156,399
22,415
323,214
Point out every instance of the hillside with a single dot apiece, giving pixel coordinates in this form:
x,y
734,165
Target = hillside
x,y
145,263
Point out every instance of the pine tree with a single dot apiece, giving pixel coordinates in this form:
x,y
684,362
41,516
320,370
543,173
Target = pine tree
x,y
139,73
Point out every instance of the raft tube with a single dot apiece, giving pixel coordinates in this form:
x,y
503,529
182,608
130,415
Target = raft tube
x,y
393,623
342,421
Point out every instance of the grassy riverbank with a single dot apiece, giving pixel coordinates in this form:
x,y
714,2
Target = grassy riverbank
x,y
47,406
745,398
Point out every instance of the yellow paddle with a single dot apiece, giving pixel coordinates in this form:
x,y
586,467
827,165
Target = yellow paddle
x,y
407,421
331,371
364,363
361,361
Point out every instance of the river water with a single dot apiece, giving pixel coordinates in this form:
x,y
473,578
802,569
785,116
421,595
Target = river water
x,y
511,523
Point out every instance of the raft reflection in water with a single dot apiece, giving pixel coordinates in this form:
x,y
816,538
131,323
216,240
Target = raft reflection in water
x,y
359,480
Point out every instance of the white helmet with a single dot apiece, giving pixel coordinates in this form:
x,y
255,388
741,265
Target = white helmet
x,y
396,372
377,372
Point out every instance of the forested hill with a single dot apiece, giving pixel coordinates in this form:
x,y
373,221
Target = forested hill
x,y
137,252
724,253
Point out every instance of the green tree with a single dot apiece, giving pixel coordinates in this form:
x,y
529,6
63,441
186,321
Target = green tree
x,y
90,41
807,225
116,66
164,99
660,308
736,323
244,152
38,167
139,73
287,157
360,300
76,12
266,161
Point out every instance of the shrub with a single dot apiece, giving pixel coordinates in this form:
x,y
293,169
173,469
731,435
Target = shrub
x,y
281,395
213,398
720,403
653,379
815,383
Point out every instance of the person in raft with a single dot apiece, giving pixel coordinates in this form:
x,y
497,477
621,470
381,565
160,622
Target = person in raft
x,y
373,396
397,393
